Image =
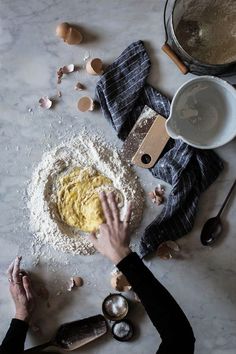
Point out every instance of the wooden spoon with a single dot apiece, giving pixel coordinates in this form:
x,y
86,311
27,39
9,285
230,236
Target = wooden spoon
x,y
213,227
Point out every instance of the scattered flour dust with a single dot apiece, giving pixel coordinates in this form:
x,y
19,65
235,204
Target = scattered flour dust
x,y
82,151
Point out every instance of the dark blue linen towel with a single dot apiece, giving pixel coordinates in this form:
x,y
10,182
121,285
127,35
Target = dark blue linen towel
x,y
122,93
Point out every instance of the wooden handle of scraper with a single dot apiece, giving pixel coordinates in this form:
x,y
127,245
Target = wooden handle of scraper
x,y
171,54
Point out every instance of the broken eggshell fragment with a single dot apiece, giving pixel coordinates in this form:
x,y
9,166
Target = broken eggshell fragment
x,y
85,104
94,67
68,69
79,86
167,249
45,102
69,33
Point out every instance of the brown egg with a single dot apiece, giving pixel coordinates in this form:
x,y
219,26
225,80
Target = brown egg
x,y
94,67
85,104
69,33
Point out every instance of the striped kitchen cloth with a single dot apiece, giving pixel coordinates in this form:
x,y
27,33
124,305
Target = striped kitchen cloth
x,y
122,93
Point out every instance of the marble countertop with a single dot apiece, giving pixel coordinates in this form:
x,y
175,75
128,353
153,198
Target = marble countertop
x,y
203,280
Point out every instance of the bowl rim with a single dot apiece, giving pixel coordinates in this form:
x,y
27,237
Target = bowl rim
x,y
115,318
207,78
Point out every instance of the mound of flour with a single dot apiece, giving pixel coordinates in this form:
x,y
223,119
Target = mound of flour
x,y
83,151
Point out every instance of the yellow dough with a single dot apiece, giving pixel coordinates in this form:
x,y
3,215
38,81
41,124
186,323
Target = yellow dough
x,y
78,198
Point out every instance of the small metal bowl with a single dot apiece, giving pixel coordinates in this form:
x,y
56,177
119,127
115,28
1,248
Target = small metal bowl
x,y
115,307
122,334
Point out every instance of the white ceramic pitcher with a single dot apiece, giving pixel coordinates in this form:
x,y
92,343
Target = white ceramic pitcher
x,y
203,113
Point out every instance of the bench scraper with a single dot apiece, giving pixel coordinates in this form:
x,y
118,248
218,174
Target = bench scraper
x,y
146,140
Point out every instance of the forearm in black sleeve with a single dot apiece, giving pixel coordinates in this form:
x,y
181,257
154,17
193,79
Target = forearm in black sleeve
x,y
14,341
166,315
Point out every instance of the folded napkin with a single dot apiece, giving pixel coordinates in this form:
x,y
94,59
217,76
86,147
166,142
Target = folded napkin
x,y
123,92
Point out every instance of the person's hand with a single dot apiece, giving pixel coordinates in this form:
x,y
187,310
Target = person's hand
x,y
21,291
114,239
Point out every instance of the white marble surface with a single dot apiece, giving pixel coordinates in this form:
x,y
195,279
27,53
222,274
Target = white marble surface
x,y
203,280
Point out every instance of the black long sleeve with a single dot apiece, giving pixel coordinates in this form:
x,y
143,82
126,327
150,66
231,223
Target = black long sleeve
x,y
165,314
14,341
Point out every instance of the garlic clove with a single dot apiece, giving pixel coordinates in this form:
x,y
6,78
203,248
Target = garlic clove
x,y
45,102
94,66
68,69
85,104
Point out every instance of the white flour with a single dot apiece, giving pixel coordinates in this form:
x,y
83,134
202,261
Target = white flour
x,y
84,151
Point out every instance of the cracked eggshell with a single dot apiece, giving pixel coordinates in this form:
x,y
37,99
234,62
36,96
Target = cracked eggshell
x,y
78,281
75,282
94,66
45,102
68,69
119,282
85,104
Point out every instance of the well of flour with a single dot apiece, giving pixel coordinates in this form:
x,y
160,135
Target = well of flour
x,y
88,164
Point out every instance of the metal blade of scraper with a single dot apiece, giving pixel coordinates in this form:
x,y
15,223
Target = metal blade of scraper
x,y
138,133
152,145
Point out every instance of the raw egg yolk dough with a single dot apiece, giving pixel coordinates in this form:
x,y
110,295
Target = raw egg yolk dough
x,y
78,198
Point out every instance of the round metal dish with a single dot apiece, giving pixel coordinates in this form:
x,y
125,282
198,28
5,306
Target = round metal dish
x,y
180,32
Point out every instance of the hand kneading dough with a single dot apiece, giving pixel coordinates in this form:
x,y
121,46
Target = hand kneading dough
x,y
78,198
